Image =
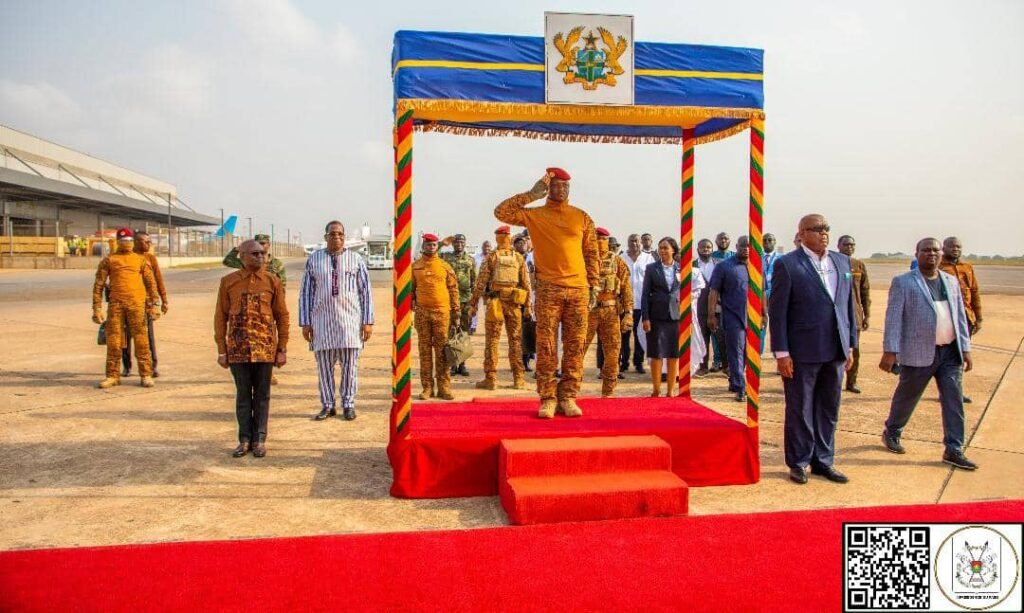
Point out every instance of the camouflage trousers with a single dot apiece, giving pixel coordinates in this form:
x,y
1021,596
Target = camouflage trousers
x,y
432,333
604,321
566,306
465,320
513,322
134,315
851,375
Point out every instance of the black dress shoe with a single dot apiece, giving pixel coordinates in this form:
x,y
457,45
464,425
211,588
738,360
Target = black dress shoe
x,y
967,400
259,450
740,397
621,376
959,461
325,413
349,413
640,370
853,389
454,370
830,473
241,450
664,377
798,475
892,443
463,370
126,372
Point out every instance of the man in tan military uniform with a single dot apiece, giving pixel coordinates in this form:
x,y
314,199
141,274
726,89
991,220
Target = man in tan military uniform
x,y
505,285
465,274
565,251
435,304
861,304
614,311
132,285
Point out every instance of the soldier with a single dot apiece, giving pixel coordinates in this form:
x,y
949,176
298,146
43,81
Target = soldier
x,y
465,273
503,280
613,314
861,303
132,287
143,246
274,265
567,284
435,302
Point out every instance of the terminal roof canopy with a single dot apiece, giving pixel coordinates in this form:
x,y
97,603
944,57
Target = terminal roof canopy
x,y
490,84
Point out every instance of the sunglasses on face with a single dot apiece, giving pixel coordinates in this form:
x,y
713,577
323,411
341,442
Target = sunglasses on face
x,y
820,229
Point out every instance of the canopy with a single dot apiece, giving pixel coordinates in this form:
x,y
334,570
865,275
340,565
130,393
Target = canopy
x,y
493,84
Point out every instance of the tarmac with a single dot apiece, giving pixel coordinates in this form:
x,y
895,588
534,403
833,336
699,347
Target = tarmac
x,y
82,466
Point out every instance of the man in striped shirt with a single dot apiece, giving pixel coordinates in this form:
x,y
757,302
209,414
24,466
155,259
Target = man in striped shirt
x,y
336,315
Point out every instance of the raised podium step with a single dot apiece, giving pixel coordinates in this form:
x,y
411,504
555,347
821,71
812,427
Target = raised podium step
x,y
588,478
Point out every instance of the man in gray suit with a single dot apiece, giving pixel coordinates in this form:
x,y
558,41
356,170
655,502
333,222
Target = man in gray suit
x,y
813,335
926,334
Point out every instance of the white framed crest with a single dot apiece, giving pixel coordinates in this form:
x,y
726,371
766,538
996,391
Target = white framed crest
x,y
588,59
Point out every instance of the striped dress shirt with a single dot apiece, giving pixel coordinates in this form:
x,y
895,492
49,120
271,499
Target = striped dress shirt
x,y
336,319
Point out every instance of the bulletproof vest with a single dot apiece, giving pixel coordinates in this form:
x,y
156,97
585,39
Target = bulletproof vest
x,y
506,269
609,280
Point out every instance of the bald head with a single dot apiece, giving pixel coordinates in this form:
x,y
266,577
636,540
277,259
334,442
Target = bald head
x,y
813,233
252,254
952,248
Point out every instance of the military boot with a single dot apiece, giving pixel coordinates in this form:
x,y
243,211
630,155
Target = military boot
x,y
109,382
487,383
445,394
147,381
569,407
547,408
427,393
607,389
518,382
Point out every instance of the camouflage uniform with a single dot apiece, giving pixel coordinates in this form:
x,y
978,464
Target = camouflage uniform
x,y
612,315
504,270
131,285
861,311
433,318
465,276
274,265
558,301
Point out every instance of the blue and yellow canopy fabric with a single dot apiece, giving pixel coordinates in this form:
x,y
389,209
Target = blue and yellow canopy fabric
x,y
491,84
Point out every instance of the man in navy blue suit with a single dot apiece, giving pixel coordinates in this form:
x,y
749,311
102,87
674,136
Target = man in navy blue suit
x,y
813,334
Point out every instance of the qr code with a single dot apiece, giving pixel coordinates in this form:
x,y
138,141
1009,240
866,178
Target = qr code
x,y
887,567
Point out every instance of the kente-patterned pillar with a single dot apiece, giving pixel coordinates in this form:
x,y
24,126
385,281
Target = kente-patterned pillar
x,y
401,358
755,268
686,253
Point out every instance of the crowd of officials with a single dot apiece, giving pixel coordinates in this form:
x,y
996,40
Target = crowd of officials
x,y
553,288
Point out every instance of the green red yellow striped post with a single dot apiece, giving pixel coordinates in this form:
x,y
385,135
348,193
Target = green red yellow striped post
x,y
755,268
401,356
686,263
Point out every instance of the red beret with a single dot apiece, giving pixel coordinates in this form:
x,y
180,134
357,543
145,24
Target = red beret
x,y
558,173
124,233
503,230
602,232
429,238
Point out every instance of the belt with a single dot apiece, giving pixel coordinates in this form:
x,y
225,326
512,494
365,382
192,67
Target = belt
x,y
607,303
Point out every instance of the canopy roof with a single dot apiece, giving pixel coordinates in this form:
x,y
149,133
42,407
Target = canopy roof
x,y
493,84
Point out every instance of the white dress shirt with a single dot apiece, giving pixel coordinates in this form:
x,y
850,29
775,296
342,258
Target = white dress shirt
x,y
637,269
828,275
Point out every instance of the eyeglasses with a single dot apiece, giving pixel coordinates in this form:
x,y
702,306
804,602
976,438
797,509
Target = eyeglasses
x,y
819,229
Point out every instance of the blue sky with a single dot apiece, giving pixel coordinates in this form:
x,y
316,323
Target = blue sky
x,y
897,120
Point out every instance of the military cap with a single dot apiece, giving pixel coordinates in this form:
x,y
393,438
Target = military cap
x,y
503,230
429,238
124,234
602,232
558,173
262,238
459,237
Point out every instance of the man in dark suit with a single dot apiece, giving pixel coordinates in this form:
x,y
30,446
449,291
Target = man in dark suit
x,y
811,314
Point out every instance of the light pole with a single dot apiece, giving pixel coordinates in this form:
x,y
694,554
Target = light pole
x,y
271,236
250,226
223,231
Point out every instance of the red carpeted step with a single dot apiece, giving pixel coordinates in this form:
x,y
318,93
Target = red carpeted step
x,y
529,457
587,497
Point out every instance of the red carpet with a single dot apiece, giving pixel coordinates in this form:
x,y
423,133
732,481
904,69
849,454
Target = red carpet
x,y
773,561
550,480
453,448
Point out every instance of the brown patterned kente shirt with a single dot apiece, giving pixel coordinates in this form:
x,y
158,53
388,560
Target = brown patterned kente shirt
x,y
251,320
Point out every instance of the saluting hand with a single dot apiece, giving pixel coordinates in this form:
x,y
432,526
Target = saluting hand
x,y
540,188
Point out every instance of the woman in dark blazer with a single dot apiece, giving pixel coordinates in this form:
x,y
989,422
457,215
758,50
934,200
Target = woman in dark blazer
x,y
659,309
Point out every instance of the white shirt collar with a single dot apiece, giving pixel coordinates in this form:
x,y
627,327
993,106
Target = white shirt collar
x,y
814,256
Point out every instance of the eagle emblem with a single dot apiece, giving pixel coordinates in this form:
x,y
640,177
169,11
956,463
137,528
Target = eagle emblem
x,y
590,66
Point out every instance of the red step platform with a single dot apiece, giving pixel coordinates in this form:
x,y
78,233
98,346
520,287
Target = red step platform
x,y
588,478
452,447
